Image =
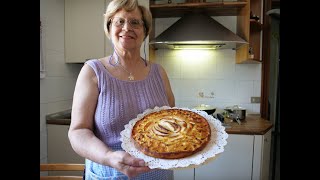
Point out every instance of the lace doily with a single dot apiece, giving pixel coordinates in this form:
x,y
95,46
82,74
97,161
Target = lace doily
x,y
215,146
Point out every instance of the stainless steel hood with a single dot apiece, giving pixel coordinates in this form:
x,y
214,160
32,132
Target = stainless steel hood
x,y
197,30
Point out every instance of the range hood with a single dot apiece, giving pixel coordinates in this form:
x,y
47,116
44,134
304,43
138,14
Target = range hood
x,y
197,31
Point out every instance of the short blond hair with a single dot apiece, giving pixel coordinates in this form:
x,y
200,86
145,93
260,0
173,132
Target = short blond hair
x,y
128,5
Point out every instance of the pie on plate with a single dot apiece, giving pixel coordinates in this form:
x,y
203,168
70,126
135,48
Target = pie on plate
x,y
171,133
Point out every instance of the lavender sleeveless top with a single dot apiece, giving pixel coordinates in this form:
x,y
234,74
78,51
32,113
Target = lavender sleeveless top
x,y
120,101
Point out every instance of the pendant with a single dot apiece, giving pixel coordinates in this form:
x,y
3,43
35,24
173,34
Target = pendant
x,y
130,77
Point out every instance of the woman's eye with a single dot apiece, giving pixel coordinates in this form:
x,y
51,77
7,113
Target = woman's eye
x,y
121,21
135,22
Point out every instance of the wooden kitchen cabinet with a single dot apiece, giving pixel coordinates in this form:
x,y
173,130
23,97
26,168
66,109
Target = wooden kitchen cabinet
x,y
84,34
234,163
251,31
245,157
262,147
248,29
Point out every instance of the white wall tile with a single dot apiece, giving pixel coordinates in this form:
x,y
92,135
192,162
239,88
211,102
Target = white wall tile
x,y
43,91
256,108
225,64
196,64
187,89
56,65
43,145
53,25
56,89
175,85
59,106
172,66
225,89
43,113
244,91
207,86
257,88
248,71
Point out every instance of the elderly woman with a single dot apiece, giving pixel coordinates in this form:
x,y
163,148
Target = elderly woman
x,y
111,91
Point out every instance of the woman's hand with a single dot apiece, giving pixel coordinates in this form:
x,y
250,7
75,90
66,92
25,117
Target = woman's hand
x,y
125,163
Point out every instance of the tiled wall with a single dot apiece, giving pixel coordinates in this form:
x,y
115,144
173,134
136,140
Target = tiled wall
x,y
56,89
209,71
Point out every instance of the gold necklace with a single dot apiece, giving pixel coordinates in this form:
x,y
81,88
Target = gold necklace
x,y
130,77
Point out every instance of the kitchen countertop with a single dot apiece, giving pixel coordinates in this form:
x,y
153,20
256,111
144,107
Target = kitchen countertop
x,y
59,118
252,125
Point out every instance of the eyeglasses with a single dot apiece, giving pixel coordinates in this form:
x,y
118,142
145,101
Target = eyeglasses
x,y
134,23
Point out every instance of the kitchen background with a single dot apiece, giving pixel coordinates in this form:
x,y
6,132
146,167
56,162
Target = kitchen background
x,y
214,73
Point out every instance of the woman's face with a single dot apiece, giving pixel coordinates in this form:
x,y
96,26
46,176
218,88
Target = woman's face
x,y
127,30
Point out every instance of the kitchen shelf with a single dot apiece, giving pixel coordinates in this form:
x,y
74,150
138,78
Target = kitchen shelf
x,y
251,30
252,61
210,8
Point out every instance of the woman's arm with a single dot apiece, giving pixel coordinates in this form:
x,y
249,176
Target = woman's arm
x,y
81,135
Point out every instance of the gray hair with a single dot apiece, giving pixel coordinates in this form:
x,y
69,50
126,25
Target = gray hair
x,y
128,5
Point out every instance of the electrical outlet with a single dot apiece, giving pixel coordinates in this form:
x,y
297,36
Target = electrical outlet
x,y
255,99
203,95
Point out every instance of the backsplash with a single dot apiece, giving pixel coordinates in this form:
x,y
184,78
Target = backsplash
x,y
212,72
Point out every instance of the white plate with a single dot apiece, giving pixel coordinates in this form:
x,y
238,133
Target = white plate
x,y
215,146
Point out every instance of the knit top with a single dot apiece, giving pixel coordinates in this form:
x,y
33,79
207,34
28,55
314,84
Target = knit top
x,y
119,101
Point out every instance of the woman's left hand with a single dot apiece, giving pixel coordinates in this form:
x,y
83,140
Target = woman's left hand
x,y
128,165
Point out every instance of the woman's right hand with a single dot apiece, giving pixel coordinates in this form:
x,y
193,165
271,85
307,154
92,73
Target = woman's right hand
x,y
125,163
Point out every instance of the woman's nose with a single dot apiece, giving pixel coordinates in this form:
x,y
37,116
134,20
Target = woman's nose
x,y
127,26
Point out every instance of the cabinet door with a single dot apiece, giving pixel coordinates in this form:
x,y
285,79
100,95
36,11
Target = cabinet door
x,y
84,34
261,157
266,155
184,174
234,163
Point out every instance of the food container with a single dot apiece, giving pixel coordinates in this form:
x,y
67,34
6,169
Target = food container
x,y
207,108
236,111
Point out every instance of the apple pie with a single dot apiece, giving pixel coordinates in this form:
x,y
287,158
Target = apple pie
x,y
171,133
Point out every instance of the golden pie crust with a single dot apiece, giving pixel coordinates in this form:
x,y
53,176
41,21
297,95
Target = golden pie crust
x,y
171,133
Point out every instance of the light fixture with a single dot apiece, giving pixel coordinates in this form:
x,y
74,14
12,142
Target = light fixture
x,y
197,46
